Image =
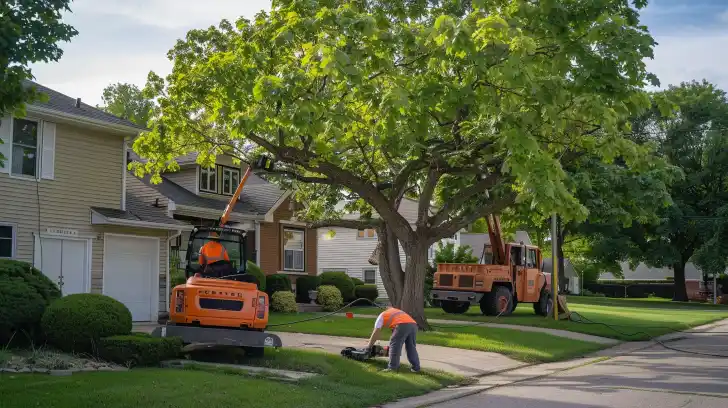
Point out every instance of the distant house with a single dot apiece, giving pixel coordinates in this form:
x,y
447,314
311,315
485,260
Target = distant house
x,y
644,273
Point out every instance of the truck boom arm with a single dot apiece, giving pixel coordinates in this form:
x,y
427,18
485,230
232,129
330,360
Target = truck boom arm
x,y
496,239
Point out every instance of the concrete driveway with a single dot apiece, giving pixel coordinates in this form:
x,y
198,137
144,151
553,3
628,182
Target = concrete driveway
x,y
458,361
652,377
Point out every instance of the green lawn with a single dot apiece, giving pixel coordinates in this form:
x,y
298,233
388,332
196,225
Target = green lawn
x,y
524,346
630,319
344,383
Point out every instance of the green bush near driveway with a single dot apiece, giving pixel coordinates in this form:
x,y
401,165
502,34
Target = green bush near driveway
x,y
342,281
76,323
139,349
284,302
252,269
277,283
303,285
329,297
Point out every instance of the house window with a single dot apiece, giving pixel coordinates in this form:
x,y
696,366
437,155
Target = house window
x,y
208,180
7,241
370,276
293,244
230,180
367,233
25,148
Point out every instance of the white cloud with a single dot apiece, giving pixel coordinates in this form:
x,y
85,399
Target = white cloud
x,y
174,14
691,55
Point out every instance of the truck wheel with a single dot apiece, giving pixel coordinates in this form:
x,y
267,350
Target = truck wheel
x,y
497,302
254,351
543,306
455,307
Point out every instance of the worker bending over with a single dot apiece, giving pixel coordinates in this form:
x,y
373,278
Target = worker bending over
x,y
404,334
212,252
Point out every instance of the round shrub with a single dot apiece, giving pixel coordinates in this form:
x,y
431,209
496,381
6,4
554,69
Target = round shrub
x,y
252,269
342,281
277,283
357,281
77,322
138,349
284,302
24,295
303,285
367,292
329,297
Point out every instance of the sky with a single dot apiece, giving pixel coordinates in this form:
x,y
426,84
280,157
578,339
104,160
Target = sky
x,y
122,40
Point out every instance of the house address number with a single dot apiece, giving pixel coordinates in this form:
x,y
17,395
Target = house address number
x,y
62,231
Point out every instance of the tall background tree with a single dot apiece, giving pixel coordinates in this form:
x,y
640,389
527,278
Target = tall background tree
x,y
694,138
127,101
474,106
30,31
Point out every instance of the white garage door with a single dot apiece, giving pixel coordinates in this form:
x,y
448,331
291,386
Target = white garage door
x,y
131,274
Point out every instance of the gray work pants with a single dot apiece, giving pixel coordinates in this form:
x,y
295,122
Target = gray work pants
x,y
404,335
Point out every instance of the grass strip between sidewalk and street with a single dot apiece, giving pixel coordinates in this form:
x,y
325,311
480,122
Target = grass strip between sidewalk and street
x,y
624,319
343,383
519,345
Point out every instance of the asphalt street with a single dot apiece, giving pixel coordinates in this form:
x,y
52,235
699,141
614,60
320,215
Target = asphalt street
x,y
655,377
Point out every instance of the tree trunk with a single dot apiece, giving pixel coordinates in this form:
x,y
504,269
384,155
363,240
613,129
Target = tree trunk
x,y
390,266
681,293
413,295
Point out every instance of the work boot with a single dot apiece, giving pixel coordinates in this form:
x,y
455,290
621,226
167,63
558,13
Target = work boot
x,y
414,371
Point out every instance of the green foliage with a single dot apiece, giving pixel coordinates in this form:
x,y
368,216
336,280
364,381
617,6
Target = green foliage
x,y
303,285
30,32
139,349
252,269
128,102
329,297
476,106
342,281
277,283
357,281
693,137
24,295
284,302
370,292
77,322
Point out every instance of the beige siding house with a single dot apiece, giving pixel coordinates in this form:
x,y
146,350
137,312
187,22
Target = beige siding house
x,y
64,205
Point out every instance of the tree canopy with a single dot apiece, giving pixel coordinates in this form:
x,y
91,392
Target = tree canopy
x,y
471,105
694,138
127,101
30,31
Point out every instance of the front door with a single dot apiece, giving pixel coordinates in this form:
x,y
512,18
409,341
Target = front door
x,y
65,262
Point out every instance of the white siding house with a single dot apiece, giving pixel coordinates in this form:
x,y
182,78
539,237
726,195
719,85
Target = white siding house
x,y
348,250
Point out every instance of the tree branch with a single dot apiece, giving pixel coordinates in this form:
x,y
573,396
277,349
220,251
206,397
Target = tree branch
x,y
352,224
451,227
477,188
423,207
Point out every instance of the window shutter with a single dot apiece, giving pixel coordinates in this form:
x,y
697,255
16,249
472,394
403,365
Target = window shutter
x,y
5,147
48,157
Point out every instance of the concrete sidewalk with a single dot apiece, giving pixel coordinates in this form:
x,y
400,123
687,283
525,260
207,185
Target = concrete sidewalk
x,y
458,361
554,332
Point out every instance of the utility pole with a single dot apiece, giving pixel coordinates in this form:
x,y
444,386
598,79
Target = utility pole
x,y
715,289
555,267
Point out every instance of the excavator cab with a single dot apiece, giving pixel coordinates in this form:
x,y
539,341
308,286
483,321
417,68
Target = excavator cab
x,y
230,243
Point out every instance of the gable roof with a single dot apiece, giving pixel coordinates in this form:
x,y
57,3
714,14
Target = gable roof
x,y
138,212
255,199
66,105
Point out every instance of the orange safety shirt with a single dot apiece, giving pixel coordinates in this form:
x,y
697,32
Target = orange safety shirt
x,y
392,318
212,252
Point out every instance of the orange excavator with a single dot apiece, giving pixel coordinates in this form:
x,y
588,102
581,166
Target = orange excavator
x,y
220,303
507,274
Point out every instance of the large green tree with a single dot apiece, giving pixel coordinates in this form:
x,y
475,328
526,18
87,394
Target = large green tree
x,y
30,31
694,138
127,101
473,105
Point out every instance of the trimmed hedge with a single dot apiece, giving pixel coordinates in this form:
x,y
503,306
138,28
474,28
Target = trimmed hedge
x,y
139,349
277,283
358,282
77,322
252,269
367,292
284,302
329,297
342,281
303,285
636,290
24,295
